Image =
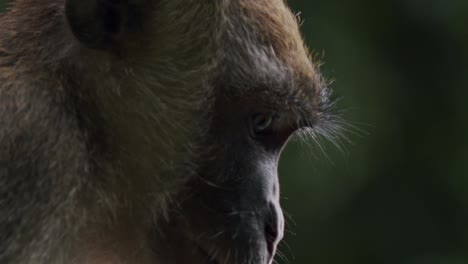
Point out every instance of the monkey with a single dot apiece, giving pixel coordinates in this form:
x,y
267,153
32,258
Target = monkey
x,y
149,131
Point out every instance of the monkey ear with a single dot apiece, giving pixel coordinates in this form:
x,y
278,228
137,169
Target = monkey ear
x,y
102,24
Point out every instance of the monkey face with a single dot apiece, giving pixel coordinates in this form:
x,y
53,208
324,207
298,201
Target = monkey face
x,y
233,211
230,211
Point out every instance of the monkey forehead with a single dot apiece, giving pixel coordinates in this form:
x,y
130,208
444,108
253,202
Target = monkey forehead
x,y
274,25
263,49
265,61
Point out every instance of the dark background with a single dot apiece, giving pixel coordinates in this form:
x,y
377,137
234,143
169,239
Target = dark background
x,y
397,192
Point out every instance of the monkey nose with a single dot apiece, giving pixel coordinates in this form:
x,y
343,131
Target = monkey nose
x,y
274,226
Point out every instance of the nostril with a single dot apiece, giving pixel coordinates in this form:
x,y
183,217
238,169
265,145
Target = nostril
x,y
271,236
271,229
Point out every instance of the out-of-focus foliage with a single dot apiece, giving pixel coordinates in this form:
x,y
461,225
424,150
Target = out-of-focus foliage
x,y
397,193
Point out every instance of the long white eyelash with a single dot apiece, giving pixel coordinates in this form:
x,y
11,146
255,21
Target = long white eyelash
x,y
333,129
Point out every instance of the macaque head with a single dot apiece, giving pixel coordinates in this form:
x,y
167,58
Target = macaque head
x,y
178,111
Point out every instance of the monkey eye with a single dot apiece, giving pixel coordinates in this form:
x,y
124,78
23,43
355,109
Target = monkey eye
x,y
266,129
261,123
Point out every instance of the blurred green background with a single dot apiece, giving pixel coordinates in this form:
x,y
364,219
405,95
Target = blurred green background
x,y
397,192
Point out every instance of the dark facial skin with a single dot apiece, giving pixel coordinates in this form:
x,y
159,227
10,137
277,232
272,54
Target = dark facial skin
x,y
245,199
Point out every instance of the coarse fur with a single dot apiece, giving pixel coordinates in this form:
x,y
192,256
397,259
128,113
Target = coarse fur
x,y
123,144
